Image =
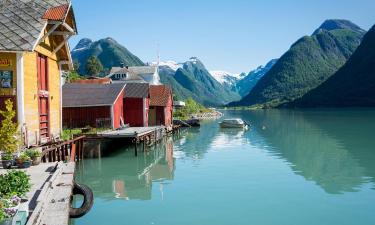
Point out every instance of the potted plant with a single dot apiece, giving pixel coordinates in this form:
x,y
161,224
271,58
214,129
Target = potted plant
x,y
35,156
8,209
14,182
9,138
23,161
7,160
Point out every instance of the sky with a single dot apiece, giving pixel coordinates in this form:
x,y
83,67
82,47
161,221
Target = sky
x,y
231,35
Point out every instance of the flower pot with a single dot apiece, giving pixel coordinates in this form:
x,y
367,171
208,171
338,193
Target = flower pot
x,y
23,165
36,161
7,164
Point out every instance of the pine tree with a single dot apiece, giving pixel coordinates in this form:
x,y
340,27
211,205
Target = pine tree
x,y
8,130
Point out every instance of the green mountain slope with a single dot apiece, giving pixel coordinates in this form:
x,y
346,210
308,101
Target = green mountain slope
x,y
308,63
108,51
352,85
193,80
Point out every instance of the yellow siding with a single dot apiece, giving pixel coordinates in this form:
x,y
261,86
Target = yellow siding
x,y
31,105
31,96
13,67
31,93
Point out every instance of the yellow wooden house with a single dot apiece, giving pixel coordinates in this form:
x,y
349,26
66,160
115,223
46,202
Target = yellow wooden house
x,y
34,53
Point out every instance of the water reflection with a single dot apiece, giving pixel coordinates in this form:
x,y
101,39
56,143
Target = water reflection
x,y
120,175
333,149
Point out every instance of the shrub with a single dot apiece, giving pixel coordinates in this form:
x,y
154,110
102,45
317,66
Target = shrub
x,y
8,131
7,156
15,182
33,153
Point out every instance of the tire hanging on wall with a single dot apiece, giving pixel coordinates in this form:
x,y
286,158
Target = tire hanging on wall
x,y
88,201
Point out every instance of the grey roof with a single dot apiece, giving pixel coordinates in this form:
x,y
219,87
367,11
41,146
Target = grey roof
x,y
141,70
21,22
84,95
137,90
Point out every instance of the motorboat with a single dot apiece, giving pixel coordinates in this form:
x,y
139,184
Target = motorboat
x,y
233,123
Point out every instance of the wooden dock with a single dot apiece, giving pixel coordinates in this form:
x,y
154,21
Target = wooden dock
x,y
146,135
51,197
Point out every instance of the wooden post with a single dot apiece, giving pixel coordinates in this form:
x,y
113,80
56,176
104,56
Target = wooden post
x,y
73,153
135,147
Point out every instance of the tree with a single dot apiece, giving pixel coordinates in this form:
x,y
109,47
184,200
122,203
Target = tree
x,y
73,76
8,131
76,65
93,66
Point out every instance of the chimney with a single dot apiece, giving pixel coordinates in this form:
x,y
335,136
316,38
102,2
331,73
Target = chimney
x,y
127,67
122,65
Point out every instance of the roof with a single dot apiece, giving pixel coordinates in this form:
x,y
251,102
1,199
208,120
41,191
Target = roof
x,y
137,90
141,70
123,70
159,95
22,23
94,80
85,95
56,13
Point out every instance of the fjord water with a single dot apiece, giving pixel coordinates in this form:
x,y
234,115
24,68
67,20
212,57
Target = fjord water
x,y
291,167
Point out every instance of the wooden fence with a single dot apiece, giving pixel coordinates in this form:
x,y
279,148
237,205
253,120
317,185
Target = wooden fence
x,y
71,150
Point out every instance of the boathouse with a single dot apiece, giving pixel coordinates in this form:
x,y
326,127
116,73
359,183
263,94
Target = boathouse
x,y
94,105
161,106
34,52
136,104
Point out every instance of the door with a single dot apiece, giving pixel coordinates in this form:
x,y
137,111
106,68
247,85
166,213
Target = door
x,y
43,98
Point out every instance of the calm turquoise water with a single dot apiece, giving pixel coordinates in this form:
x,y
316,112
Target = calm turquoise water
x,y
291,168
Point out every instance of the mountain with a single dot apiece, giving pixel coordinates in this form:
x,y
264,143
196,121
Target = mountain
x,y
226,78
108,51
192,79
247,83
307,64
352,85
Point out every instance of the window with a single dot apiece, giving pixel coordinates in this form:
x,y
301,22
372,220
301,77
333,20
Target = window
x,y
6,78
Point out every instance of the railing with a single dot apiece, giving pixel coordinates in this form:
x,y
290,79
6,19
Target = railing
x,y
71,150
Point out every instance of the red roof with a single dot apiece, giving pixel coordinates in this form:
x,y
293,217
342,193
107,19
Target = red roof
x,y
159,95
56,13
103,80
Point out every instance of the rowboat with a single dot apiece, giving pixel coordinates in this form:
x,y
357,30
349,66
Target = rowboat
x,y
233,123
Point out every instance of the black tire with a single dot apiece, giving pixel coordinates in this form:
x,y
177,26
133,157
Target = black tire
x,y
88,201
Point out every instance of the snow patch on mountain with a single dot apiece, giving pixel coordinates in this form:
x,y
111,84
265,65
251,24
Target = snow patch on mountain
x,y
225,77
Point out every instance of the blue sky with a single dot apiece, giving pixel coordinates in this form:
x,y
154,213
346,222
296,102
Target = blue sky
x,y
231,35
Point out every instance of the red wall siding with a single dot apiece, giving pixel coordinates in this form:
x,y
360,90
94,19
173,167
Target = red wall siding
x,y
164,115
118,111
133,112
83,116
147,109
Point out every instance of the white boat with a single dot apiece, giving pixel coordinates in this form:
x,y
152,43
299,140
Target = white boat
x,y
233,123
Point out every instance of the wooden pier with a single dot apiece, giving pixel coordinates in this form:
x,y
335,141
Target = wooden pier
x,y
146,135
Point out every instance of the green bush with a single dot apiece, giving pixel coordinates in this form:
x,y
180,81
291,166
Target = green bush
x,y
15,182
33,153
8,131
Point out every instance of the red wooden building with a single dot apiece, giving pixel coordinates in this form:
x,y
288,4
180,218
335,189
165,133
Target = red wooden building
x,y
136,104
161,106
94,105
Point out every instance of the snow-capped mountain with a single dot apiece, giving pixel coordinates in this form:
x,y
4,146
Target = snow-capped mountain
x,y
225,77
169,63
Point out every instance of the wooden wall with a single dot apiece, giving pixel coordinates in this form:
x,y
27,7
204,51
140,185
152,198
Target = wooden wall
x,y
118,111
133,112
79,117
